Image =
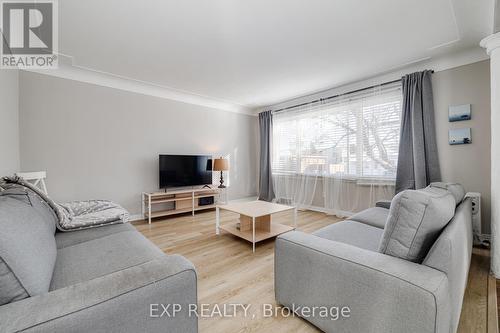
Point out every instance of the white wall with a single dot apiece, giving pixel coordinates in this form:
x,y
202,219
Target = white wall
x,y
9,122
99,142
469,164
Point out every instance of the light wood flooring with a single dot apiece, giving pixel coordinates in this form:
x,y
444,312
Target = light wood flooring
x,y
229,273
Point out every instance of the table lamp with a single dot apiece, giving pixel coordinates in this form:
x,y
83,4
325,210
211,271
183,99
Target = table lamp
x,y
221,164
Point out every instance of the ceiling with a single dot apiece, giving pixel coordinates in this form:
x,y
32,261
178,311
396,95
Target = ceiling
x,y
260,52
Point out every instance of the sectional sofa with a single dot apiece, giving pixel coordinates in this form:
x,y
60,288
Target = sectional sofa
x,y
402,269
106,279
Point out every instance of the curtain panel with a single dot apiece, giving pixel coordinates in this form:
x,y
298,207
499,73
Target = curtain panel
x,y
418,163
266,192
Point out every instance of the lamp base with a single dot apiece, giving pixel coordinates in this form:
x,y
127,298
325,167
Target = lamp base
x,y
221,181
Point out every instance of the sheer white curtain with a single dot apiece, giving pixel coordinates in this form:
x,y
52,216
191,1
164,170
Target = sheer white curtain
x,y
339,155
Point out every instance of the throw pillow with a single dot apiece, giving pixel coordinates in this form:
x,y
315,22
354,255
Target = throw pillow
x,y
415,220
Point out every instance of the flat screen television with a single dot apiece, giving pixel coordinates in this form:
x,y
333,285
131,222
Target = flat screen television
x,y
185,170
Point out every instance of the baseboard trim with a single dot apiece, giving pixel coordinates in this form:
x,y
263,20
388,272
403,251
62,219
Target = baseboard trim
x,y
136,217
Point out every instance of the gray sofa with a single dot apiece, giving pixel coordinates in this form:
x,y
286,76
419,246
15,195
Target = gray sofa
x,y
402,269
106,279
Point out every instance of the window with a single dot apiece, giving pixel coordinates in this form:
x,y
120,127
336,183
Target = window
x,y
353,136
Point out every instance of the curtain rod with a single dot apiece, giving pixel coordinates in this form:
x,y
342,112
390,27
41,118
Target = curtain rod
x,y
338,95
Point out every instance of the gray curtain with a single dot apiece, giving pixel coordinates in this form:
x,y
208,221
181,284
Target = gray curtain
x,y
418,163
266,192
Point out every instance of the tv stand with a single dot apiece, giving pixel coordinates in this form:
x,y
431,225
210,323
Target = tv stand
x,y
159,204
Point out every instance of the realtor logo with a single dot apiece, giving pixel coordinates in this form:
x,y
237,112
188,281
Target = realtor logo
x,y
29,31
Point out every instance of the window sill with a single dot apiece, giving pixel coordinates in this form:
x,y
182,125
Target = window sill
x,y
361,181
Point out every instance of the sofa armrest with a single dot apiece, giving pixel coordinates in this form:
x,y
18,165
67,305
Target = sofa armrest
x,y
383,204
117,302
383,293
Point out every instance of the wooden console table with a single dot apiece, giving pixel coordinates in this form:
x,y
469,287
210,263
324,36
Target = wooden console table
x,y
184,201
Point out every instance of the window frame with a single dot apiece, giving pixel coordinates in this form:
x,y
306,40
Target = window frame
x,y
392,93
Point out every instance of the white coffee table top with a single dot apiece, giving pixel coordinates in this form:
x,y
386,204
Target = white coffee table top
x,y
255,208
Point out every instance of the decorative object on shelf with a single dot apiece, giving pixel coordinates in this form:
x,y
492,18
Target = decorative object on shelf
x,y
206,201
459,136
459,112
221,164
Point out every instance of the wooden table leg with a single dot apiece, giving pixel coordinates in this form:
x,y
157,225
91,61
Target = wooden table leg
x,y
253,232
149,209
217,220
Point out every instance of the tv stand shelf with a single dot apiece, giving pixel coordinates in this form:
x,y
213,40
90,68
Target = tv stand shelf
x,y
184,201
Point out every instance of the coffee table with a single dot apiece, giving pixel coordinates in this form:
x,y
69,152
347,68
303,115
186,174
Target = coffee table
x,y
255,220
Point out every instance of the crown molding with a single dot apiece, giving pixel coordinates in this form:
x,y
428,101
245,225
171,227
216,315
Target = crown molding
x,y
491,42
438,64
68,70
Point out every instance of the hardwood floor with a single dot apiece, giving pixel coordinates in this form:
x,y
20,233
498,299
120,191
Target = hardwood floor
x,y
475,309
229,273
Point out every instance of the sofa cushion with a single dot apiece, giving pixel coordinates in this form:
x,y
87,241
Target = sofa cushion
x,y
415,220
451,254
376,217
70,238
27,245
101,256
352,233
457,190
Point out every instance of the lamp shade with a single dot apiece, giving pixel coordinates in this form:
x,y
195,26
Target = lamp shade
x,y
221,164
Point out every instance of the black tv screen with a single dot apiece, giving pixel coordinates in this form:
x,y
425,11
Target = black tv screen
x,y
185,170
